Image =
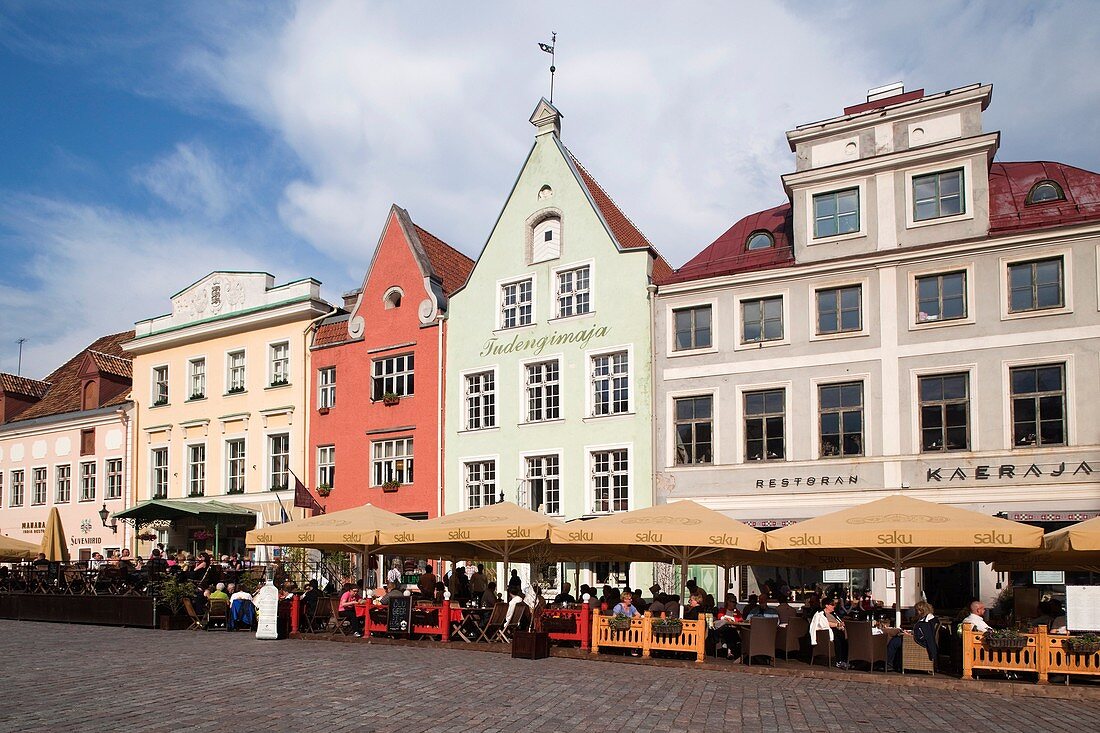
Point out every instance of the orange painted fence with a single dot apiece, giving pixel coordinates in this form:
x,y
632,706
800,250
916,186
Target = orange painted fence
x,y
1043,654
640,636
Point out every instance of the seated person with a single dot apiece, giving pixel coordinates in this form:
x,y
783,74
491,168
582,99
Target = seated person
x,y
1057,623
750,607
219,594
695,605
440,589
976,619
310,598
924,633
657,605
639,602
564,596
626,606
489,597
762,609
672,607
393,590
785,610
40,562
826,619
515,599
348,602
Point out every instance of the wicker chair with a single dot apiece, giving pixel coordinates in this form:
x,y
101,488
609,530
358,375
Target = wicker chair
x,y
759,639
915,657
789,638
823,648
864,645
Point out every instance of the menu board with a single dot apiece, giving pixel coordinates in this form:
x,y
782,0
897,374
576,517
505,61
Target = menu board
x,y
1083,607
400,619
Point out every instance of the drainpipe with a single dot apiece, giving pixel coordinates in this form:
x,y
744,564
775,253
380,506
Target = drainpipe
x,y
651,295
128,457
308,373
441,372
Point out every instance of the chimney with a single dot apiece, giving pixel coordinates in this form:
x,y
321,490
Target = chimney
x,y
885,91
350,297
546,119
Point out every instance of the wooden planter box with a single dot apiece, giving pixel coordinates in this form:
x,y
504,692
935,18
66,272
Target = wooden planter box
x,y
1080,648
391,401
530,645
619,624
1005,645
669,631
169,622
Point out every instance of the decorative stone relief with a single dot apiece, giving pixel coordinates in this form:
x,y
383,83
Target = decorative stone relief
x,y
63,446
17,452
113,439
38,449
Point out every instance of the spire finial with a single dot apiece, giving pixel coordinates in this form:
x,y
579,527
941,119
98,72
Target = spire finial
x,y
549,48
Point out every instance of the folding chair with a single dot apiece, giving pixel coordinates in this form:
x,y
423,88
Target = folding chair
x,y
340,624
319,619
217,612
492,628
196,622
515,624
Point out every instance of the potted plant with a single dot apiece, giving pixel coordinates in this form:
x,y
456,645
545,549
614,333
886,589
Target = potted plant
x,y
1004,639
324,490
666,627
619,622
280,382
390,399
147,536
322,410
236,389
169,593
391,486
1083,644
198,396
160,402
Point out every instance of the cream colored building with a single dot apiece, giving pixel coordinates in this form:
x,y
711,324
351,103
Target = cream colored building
x,y
220,392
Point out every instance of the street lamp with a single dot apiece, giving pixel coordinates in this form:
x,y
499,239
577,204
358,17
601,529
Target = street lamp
x,y
103,514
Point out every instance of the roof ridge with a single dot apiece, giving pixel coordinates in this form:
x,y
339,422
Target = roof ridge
x,y
441,240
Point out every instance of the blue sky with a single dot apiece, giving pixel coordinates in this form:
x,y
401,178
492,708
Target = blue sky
x,y
146,144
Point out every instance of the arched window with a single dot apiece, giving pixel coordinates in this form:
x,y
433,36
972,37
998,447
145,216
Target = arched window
x,y
392,298
1045,191
546,240
760,240
88,395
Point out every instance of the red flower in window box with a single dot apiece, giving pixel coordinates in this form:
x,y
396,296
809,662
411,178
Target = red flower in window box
x,y
322,410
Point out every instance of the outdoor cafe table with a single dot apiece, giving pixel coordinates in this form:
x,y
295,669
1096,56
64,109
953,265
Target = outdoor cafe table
x,y
469,622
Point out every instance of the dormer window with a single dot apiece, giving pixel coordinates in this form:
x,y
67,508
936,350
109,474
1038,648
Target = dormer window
x,y
1045,191
759,240
546,240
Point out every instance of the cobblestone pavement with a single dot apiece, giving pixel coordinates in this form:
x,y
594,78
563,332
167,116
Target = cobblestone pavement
x,y
88,678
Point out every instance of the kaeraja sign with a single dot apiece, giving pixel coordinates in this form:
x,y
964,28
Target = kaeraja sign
x,y
494,346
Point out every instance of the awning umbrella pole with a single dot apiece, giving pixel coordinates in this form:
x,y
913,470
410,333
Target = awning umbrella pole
x,y
683,579
217,526
897,588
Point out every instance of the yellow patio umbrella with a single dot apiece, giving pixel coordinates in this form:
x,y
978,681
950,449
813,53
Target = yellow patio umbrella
x,y
13,550
503,530
53,541
899,532
1076,547
681,532
353,530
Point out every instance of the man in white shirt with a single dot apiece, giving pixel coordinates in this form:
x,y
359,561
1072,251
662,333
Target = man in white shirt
x,y
976,619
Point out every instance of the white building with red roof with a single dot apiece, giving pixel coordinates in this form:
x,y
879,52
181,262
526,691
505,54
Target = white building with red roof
x,y
917,317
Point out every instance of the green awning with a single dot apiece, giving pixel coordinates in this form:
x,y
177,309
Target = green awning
x,y
172,509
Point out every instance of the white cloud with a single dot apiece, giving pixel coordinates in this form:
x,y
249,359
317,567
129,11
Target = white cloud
x,y
191,181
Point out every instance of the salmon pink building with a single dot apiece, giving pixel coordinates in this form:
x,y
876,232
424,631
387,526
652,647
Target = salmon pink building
x,y
377,378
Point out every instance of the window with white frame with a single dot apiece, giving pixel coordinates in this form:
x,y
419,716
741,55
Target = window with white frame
x,y
63,484
840,310
280,363
574,295
836,212
392,376
762,320
87,481
278,461
326,466
235,458
765,425
481,483
517,303
941,297
694,422
543,387
937,195
160,385
15,493
159,463
196,469
611,383
481,400
692,328
234,372
840,408
1039,405
1036,285
543,483
196,378
944,412
38,486
392,462
326,387
611,481
113,469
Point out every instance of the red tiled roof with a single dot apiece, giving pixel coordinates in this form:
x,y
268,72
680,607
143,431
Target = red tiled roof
x,y
24,386
111,364
449,264
64,392
729,254
1010,183
855,109
622,228
331,332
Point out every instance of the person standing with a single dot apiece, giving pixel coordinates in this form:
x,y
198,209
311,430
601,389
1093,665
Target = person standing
x,y
478,582
514,583
426,583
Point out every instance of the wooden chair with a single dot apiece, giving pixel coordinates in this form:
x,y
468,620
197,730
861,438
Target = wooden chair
x,y
495,625
790,637
915,657
516,624
217,612
196,622
864,645
823,648
340,625
759,639
322,614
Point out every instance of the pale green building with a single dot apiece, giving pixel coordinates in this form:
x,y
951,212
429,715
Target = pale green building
x,y
549,353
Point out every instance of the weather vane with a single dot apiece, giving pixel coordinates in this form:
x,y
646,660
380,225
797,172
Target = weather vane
x,y
549,48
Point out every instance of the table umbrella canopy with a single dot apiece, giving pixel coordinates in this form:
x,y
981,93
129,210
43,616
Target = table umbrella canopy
x,y
1076,547
13,550
53,541
171,509
899,532
502,530
353,530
